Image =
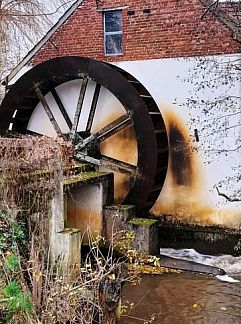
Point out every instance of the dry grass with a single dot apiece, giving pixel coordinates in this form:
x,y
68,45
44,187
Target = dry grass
x,y
32,289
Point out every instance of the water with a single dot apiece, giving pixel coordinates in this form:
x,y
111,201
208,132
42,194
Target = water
x,y
187,297
230,264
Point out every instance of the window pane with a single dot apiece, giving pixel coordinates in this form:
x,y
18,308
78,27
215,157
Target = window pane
x,y
113,21
113,44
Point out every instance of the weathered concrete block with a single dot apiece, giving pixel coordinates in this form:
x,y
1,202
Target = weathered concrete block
x,y
76,207
115,218
64,243
86,195
146,235
67,248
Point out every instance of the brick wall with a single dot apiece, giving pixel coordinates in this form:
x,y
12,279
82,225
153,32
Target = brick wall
x,y
173,28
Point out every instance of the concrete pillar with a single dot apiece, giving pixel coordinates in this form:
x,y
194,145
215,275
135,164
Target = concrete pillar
x,y
146,238
64,243
67,248
118,218
115,220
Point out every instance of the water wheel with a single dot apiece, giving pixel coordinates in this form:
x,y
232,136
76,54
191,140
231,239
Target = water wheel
x,y
62,97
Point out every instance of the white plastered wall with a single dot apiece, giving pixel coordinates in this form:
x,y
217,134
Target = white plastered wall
x,y
171,83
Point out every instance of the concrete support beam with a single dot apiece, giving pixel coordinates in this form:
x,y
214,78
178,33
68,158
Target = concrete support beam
x,y
76,214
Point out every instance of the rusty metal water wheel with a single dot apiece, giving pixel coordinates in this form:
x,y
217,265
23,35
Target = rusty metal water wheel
x,y
147,177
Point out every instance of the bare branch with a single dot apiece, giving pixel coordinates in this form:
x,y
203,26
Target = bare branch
x,y
227,197
28,21
222,14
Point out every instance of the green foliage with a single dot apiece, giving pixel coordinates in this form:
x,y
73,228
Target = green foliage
x,y
19,233
123,241
12,289
3,242
4,235
16,301
143,221
12,263
20,303
154,260
12,232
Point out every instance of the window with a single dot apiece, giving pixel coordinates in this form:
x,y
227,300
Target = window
x,y
113,32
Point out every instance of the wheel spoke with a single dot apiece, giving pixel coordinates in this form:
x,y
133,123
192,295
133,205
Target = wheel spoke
x,y
79,107
106,132
86,158
109,163
117,165
29,132
48,111
93,107
61,108
113,128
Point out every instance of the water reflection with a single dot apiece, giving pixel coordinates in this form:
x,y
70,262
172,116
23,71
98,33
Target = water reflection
x,y
183,299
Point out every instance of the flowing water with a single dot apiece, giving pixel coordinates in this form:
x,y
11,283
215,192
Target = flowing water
x,y
187,297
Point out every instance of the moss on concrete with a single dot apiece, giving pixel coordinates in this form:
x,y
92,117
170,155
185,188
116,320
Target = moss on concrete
x,y
68,230
85,177
143,221
120,207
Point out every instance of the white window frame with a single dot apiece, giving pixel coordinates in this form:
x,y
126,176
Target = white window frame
x,y
112,33
226,1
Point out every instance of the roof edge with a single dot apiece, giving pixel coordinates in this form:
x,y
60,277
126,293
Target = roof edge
x,y
44,40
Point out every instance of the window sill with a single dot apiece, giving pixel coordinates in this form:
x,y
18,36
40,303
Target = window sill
x,y
119,54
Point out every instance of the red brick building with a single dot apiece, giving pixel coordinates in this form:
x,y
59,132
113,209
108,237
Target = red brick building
x,y
150,30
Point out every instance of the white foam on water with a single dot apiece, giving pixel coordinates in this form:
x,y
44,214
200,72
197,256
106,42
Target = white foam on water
x,y
227,278
230,264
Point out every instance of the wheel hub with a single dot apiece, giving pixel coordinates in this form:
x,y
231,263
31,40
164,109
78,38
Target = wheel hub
x,y
91,149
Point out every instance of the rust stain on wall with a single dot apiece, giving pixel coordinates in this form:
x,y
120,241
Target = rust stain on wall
x,y
181,160
88,221
121,146
183,195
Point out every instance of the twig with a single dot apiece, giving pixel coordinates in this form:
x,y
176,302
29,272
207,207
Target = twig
x,y
140,300
215,3
227,197
133,317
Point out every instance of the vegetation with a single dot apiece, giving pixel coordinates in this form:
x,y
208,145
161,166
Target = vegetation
x,y
32,288
227,12
219,112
